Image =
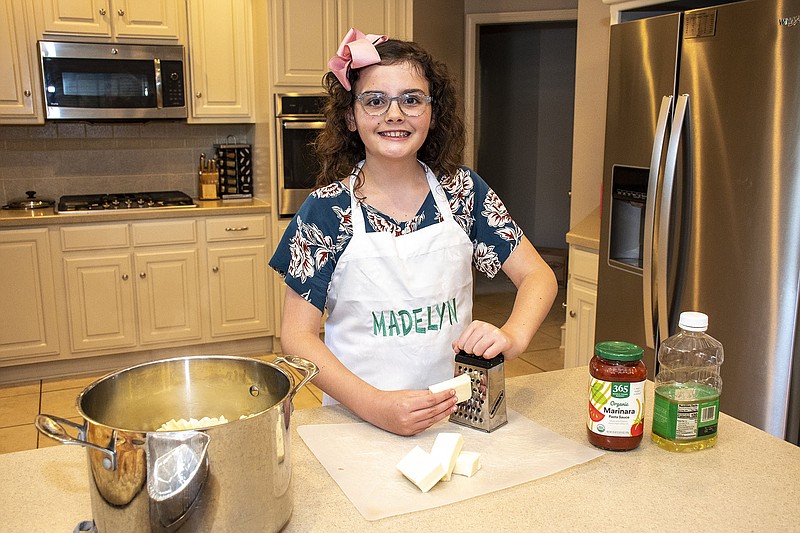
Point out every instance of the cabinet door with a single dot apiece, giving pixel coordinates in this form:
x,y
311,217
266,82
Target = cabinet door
x,y
381,17
28,324
76,17
100,302
167,296
581,303
147,19
19,84
238,290
305,36
221,60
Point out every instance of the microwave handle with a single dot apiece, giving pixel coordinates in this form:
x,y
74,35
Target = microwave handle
x,y
303,125
159,88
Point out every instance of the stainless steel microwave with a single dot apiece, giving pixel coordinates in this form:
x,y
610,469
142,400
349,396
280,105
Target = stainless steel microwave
x,y
88,81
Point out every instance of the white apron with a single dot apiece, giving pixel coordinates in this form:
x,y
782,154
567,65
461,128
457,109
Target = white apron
x,y
395,304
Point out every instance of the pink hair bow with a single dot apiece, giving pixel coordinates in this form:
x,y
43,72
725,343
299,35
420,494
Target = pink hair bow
x,y
357,50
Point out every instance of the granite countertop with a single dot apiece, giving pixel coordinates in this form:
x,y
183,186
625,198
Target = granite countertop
x,y
586,233
47,216
747,482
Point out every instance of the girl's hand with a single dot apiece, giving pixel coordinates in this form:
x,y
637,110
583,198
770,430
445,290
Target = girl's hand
x,y
408,412
484,340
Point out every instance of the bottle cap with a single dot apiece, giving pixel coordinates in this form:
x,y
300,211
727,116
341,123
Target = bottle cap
x,y
693,321
618,351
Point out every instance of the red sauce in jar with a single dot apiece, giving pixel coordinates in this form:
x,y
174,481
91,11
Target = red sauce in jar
x,y
616,396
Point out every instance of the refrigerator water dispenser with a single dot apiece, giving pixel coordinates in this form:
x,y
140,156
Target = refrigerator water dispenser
x,y
628,200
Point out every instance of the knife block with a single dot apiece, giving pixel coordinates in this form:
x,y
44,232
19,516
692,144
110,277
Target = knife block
x,y
486,408
235,170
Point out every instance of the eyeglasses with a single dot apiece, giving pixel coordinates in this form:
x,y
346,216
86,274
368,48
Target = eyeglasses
x,y
411,104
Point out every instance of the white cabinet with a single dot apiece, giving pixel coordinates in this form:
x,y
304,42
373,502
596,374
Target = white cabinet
x,y
581,304
239,289
20,101
28,320
127,278
112,19
306,33
221,60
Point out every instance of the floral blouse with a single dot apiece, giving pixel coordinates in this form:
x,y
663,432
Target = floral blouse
x,y
322,228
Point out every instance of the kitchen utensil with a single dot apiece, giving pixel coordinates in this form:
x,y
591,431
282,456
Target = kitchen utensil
x,y
234,165
209,179
31,202
486,409
234,476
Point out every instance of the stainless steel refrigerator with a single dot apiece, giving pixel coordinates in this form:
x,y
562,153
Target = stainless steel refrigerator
x,y
701,195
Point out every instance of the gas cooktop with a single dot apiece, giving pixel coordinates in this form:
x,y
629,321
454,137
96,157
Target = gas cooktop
x,y
90,203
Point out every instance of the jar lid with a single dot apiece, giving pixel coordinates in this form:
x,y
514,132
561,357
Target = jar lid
x,y
618,351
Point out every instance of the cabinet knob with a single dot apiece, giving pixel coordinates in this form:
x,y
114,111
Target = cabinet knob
x,y
102,12
124,277
198,94
121,12
27,93
142,275
572,314
215,269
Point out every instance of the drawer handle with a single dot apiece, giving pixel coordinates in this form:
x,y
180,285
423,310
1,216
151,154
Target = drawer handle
x,y
240,228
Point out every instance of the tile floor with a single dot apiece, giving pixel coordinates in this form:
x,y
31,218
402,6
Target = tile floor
x,y
20,403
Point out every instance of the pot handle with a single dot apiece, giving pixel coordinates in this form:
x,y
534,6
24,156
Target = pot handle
x,y
306,367
53,426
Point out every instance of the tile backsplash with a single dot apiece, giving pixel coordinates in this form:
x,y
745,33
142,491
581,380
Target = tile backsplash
x,y
86,158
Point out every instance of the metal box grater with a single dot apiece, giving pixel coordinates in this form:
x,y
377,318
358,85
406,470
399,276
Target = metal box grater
x,y
235,167
486,409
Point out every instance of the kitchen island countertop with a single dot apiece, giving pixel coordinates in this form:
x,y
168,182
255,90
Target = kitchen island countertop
x,y
750,481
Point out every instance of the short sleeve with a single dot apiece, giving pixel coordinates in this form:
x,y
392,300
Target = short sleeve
x,y
486,220
312,243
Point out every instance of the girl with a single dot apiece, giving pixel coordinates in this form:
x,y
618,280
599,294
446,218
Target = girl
x,y
387,241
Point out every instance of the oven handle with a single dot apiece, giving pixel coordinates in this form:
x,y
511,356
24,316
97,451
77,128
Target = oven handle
x,y
302,125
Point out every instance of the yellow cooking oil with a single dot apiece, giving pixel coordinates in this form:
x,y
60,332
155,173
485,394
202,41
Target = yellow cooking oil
x,y
683,411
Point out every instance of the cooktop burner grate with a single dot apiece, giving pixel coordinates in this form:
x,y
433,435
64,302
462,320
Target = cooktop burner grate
x,y
86,203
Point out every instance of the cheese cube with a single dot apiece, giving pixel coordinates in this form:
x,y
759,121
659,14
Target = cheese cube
x,y
421,468
446,448
467,464
462,384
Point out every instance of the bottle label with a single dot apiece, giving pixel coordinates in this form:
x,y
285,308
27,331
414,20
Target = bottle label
x,y
616,408
679,421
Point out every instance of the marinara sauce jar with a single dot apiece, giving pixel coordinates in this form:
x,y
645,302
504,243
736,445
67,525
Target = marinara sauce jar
x,y
616,396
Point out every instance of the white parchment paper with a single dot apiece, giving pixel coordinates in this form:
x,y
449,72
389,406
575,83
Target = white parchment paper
x,y
361,459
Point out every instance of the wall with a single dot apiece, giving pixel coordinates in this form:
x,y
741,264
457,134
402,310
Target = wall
x,y
591,89
437,25
61,158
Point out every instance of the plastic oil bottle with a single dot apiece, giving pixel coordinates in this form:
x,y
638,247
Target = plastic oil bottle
x,y
687,387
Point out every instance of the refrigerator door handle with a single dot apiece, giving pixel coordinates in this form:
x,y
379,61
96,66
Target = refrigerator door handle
x,y
649,224
670,162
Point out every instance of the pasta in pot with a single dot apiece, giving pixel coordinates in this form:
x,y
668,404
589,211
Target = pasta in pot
x,y
193,423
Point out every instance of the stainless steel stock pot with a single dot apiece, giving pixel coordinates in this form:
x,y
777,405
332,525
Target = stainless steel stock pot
x,y
235,476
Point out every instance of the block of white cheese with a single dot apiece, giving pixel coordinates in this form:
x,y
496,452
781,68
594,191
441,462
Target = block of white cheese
x,y
467,463
446,448
462,384
421,468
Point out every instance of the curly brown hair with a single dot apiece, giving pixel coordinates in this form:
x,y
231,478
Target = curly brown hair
x,y
340,149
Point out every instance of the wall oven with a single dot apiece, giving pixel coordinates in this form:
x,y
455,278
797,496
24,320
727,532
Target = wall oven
x,y
299,121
